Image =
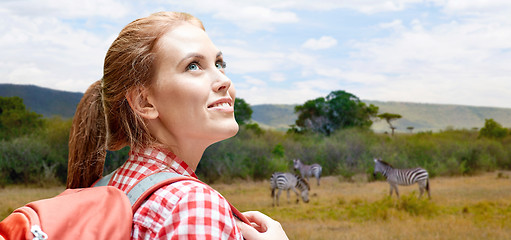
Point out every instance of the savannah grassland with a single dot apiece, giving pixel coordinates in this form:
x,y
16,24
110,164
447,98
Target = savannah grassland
x,y
475,207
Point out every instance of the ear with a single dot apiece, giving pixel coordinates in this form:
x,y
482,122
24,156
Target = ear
x,y
140,101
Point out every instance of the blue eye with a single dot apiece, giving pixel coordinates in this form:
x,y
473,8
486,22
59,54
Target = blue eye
x,y
192,67
220,64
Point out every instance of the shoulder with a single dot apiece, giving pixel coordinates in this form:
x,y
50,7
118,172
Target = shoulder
x,y
182,205
185,190
172,194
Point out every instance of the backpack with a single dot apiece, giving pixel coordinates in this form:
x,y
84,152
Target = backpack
x,y
99,212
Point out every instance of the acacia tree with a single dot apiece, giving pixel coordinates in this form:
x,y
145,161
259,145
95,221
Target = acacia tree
x,y
389,117
337,110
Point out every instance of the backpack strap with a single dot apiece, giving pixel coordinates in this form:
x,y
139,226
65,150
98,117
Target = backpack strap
x,y
104,180
149,184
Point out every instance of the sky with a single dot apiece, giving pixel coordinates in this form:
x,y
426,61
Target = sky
x,y
288,51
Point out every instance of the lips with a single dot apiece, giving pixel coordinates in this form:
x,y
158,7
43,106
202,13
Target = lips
x,y
222,104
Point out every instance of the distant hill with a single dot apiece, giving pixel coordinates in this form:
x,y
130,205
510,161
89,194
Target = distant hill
x,y
434,117
420,116
45,101
278,116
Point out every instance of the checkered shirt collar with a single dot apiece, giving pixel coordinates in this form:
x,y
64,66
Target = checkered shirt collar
x,y
162,158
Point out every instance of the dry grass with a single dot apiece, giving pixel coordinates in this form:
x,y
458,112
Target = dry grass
x,y
12,197
477,207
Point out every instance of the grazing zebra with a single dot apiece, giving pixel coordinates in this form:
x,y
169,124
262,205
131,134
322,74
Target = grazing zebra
x,y
308,170
402,176
288,181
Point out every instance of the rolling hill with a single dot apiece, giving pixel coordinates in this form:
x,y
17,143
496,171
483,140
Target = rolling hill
x,y
45,101
420,116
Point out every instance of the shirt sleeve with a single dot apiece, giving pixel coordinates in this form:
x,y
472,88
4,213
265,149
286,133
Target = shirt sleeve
x,y
190,211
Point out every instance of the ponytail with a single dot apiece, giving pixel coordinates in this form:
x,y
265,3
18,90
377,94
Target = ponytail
x,y
87,140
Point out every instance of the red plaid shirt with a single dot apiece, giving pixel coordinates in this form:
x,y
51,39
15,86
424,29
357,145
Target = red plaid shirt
x,y
181,210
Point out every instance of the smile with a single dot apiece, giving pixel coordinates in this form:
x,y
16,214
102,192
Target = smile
x,y
224,104
220,105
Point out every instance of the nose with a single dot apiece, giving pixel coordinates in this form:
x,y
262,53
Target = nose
x,y
221,82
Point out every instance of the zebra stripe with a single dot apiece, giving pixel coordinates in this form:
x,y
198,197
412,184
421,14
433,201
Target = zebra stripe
x,y
288,181
308,170
403,177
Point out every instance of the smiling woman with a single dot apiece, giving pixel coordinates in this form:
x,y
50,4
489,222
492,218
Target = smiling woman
x,y
164,93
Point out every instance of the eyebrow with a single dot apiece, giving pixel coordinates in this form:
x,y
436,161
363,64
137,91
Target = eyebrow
x,y
197,55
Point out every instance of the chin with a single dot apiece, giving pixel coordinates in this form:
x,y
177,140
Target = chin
x,y
229,130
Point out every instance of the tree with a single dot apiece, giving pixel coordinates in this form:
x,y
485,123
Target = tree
x,y
492,129
389,117
15,119
242,111
337,110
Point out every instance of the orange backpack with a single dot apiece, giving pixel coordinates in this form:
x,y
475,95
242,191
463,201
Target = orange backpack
x,y
99,212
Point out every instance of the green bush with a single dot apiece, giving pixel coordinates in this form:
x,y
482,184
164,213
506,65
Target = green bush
x,y
26,160
41,155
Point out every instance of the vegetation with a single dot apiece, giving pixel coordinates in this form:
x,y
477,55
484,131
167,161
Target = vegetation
x,y
350,204
338,110
15,120
493,129
389,117
39,155
242,111
473,207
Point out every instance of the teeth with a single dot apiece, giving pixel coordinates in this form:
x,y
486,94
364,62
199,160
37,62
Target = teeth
x,y
222,105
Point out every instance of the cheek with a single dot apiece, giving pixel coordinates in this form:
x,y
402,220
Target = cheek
x,y
232,92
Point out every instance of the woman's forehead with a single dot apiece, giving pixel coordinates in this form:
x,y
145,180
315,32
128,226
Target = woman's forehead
x,y
185,39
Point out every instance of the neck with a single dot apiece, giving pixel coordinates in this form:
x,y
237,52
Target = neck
x,y
386,170
190,152
187,148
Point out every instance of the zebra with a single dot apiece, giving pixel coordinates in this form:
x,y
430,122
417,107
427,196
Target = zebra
x,y
308,170
403,177
288,181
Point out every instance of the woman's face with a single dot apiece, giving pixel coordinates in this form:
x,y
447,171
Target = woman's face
x,y
193,96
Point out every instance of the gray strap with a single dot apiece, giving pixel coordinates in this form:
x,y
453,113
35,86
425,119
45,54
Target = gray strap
x,y
144,184
136,192
105,180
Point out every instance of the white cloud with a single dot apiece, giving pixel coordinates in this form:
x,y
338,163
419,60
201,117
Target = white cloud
x,y
364,6
396,25
455,62
247,15
67,8
261,95
253,18
251,81
243,60
46,51
323,42
278,77
24,73
454,51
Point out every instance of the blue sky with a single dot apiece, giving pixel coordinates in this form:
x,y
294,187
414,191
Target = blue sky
x,y
286,52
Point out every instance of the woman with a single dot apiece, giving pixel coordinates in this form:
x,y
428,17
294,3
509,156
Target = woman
x,y
165,94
